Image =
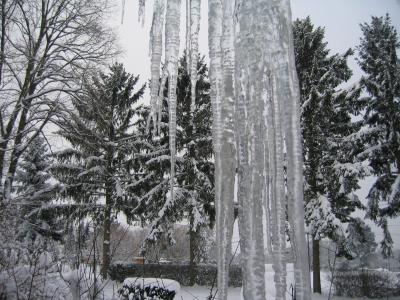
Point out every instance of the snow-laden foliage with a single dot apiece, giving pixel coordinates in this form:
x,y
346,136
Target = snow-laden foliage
x,y
148,288
360,239
331,169
99,164
30,231
34,194
330,155
379,60
194,185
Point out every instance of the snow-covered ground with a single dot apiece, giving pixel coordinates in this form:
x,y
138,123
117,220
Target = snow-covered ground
x,y
203,292
64,288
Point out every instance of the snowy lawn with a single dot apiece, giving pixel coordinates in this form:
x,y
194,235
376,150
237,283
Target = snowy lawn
x,y
202,292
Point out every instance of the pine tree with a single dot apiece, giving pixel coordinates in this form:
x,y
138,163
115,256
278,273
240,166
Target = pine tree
x,y
100,163
34,193
381,119
194,186
331,172
196,172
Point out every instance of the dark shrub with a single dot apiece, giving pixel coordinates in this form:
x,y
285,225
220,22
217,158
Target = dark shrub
x,y
137,292
366,283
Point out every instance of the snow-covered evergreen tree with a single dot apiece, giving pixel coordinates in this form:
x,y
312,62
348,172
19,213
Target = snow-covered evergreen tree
x,y
99,165
194,182
331,171
34,193
379,60
30,227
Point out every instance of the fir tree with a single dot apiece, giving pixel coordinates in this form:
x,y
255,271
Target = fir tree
x,y
100,163
34,193
194,186
196,172
331,172
381,119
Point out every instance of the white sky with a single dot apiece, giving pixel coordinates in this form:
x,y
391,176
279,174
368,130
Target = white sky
x,y
341,19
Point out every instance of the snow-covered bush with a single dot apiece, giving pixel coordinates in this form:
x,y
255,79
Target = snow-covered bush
x,y
137,293
367,283
148,289
34,277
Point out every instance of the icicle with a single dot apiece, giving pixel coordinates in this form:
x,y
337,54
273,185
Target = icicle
x,y
123,12
294,159
156,53
172,23
278,209
142,10
287,84
228,148
188,36
193,50
215,74
249,105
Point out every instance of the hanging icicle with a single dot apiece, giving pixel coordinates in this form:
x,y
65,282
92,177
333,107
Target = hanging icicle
x,y
216,94
188,29
156,53
279,205
172,23
123,12
291,101
227,150
249,68
193,50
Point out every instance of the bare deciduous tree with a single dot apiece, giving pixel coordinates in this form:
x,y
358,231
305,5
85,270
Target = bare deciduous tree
x,y
49,45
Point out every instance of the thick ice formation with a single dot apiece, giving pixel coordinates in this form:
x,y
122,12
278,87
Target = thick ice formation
x,y
256,130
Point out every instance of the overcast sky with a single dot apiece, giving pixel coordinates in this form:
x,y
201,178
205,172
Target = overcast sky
x,y
341,19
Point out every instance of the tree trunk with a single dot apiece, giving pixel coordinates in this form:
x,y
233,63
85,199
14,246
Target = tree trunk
x,y
192,252
106,234
316,267
16,152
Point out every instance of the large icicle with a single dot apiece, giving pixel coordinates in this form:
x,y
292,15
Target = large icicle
x,y
249,70
274,56
278,208
216,93
215,75
156,53
227,151
187,42
291,100
172,22
194,49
